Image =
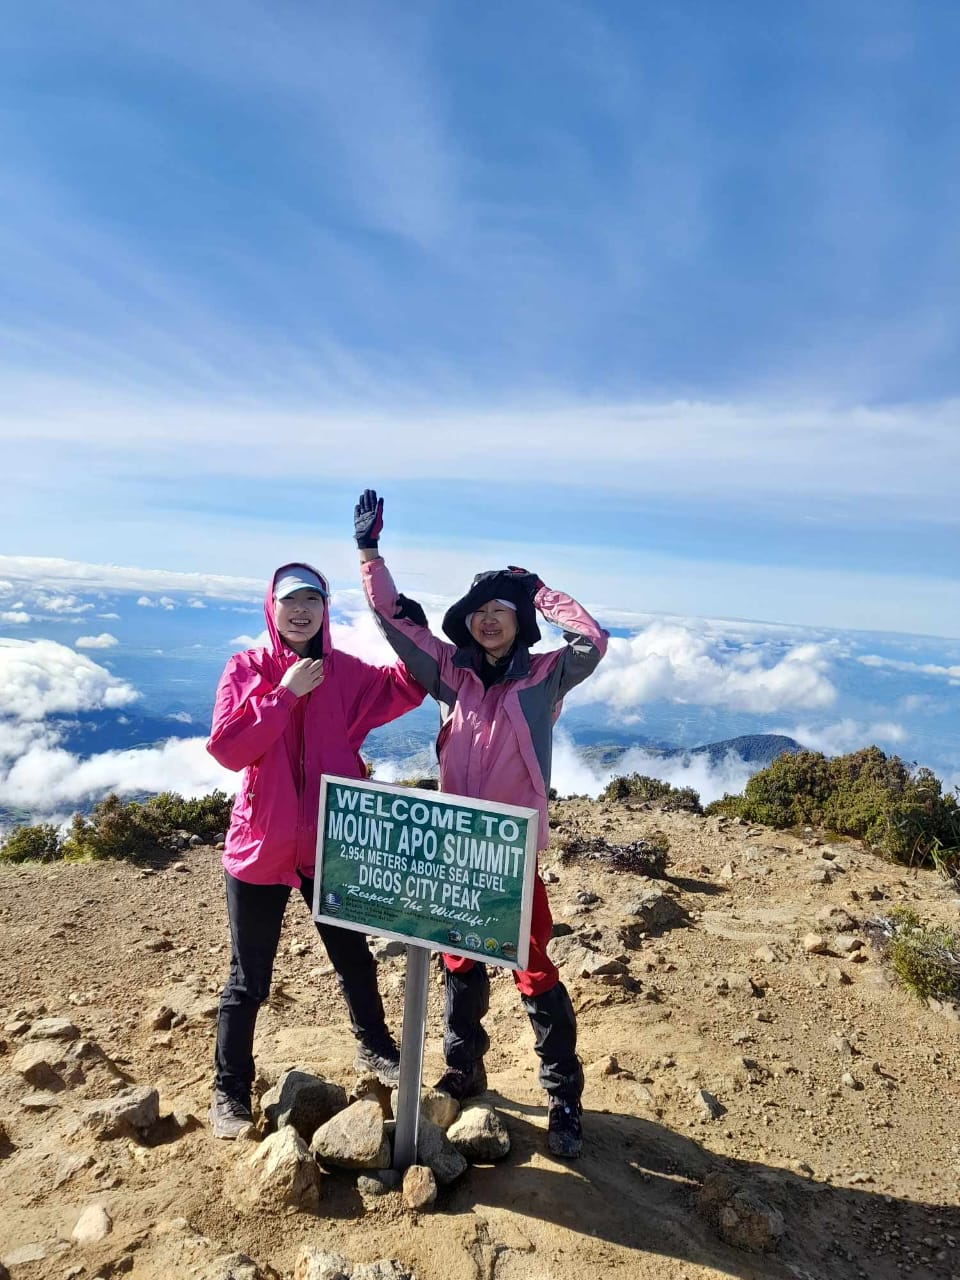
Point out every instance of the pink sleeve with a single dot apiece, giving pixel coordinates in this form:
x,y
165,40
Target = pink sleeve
x,y
249,714
586,639
384,694
426,658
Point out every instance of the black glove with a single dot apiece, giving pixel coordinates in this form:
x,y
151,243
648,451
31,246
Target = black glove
x,y
410,610
525,579
368,520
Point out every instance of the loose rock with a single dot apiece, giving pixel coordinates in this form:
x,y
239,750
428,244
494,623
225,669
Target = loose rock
x,y
316,1264
279,1173
92,1225
479,1135
739,1217
137,1109
436,1150
419,1188
303,1100
354,1139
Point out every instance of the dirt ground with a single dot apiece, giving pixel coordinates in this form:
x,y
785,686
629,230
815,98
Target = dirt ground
x,y
837,1091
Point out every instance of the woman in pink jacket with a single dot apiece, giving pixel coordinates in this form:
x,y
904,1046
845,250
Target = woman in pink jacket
x,y
498,704
283,716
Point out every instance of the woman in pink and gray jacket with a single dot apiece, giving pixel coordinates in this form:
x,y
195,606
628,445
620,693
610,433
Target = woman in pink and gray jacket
x,y
498,704
284,715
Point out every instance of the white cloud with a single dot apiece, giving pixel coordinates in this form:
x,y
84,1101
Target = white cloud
x,y
848,735
109,617
68,605
45,779
73,575
183,717
146,603
196,604
952,673
572,775
103,641
6,588
685,446
250,642
15,617
40,678
19,736
673,663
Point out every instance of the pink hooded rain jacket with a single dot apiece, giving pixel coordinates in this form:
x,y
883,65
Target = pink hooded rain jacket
x,y
283,744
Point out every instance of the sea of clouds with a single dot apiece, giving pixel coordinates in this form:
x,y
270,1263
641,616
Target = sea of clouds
x,y
785,679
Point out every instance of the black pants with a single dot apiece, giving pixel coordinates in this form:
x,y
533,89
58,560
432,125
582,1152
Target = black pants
x,y
255,913
466,1001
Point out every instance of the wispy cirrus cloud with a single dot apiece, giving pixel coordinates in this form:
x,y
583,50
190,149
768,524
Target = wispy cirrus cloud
x,y
70,577
950,673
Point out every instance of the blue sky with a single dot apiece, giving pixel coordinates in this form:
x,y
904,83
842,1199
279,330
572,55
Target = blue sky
x,y
658,297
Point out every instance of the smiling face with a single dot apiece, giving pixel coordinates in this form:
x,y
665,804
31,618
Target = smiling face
x,y
494,627
299,616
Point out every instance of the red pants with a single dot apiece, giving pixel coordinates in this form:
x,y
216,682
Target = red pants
x,y
541,973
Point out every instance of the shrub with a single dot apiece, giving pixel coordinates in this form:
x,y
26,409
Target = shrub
x,y
646,857
40,843
134,829
899,811
637,786
207,816
111,831
926,959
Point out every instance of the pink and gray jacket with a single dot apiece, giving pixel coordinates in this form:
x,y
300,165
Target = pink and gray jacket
x,y
494,744
283,744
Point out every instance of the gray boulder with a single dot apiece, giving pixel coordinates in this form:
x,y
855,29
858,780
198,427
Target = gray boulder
x,y
304,1101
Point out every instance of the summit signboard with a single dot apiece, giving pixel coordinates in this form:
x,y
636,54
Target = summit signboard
x,y
441,871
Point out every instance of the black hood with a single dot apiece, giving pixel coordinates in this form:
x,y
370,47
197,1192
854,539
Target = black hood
x,y
494,584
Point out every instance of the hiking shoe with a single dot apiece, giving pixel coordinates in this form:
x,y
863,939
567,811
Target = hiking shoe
x,y
564,1130
463,1084
384,1063
230,1118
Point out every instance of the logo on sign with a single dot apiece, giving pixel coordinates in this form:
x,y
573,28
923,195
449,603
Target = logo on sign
x,y
454,936
333,902
472,940
491,944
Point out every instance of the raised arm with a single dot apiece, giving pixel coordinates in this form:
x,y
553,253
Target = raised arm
x,y
402,621
586,640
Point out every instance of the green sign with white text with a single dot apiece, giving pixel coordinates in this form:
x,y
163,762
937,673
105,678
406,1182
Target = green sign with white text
x,y
442,871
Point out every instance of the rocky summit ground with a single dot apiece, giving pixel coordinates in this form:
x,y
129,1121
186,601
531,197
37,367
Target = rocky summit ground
x,y
763,1099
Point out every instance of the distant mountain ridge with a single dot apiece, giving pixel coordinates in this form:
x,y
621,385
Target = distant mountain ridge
x,y
759,749
407,747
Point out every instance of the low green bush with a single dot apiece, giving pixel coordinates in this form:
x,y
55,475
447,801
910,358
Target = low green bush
x,y
39,843
925,958
118,829
637,786
899,811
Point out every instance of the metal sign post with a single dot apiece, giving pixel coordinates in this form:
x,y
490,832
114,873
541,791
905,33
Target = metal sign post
x,y
438,872
411,1057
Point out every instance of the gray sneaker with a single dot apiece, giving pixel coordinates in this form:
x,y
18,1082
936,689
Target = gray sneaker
x,y
384,1063
230,1118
